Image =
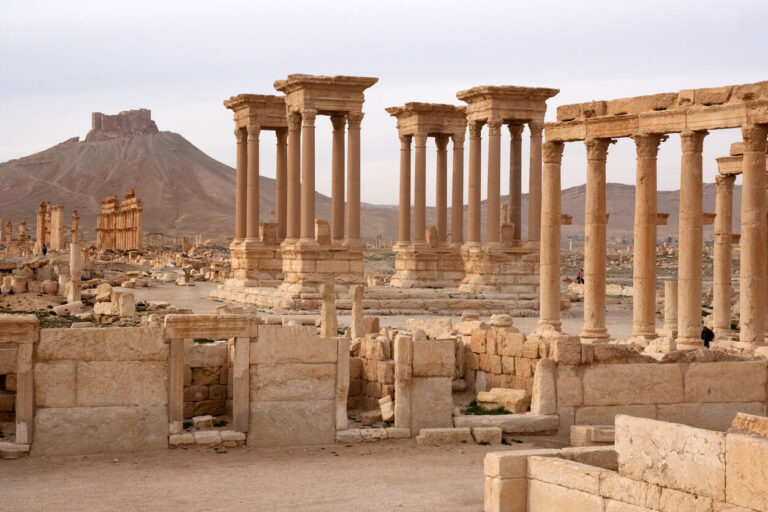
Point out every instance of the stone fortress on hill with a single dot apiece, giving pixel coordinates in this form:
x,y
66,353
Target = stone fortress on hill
x,y
662,419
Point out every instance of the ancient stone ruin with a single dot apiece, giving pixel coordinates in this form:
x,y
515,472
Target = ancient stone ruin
x,y
119,224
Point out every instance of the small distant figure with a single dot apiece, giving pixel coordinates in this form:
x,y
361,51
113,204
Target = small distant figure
x,y
580,276
45,249
707,335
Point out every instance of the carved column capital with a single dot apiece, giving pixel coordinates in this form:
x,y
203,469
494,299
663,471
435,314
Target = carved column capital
x,y
253,131
536,128
725,181
597,149
308,116
693,142
405,141
420,139
458,139
282,135
475,129
338,121
515,131
441,141
354,119
647,145
494,126
552,152
754,137
294,120
241,135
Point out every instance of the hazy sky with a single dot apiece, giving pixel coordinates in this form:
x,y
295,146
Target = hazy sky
x,y
59,61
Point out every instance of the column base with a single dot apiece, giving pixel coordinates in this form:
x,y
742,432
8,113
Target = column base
x,y
594,336
546,328
422,266
497,269
256,264
647,335
689,343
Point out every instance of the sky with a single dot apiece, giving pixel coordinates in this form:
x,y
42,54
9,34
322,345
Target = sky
x,y
60,61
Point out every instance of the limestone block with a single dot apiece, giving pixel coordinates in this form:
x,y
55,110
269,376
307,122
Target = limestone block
x,y
7,401
513,400
746,459
433,327
431,403
351,435
617,487
385,371
181,439
477,342
373,434
217,392
292,344
530,349
195,393
544,396
204,376
214,326
34,286
55,384
545,497
102,344
754,424
208,437
620,506
7,359
605,415
487,435
72,308
600,456
505,495
440,436
708,416
205,356
11,382
370,417
371,324
725,381
355,367
672,499
50,287
292,423
566,349
387,407
126,304
513,464
209,407
18,284
525,423
630,384
115,383
288,382
675,456
568,386
103,293
90,430
203,422
106,309
565,473
434,358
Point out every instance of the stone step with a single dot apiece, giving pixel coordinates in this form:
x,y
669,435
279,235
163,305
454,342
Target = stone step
x,y
9,450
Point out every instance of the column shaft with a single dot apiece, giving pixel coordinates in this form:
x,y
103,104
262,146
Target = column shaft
x,y
644,269
404,231
308,175
252,196
457,190
515,178
353,178
337,178
293,188
594,329
549,294
441,192
420,189
721,300
691,243
534,183
281,178
493,215
241,182
752,270
474,183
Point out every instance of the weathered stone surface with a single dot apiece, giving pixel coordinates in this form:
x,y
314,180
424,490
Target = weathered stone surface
x,y
513,464
369,435
675,456
181,439
97,344
432,403
545,497
103,292
55,384
568,386
434,358
351,435
629,384
511,423
433,327
439,436
565,473
617,487
672,499
287,382
746,459
398,433
204,376
7,359
506,495
544,396
605,415
566,349
510,344
291,344
208,437
513,400
115,383
292,423
214,326
488,435
726,381
88,430
707,416
205,355
754,424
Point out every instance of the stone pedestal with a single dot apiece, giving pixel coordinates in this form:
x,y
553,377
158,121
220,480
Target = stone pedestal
x,y
425,266
496,269
256,263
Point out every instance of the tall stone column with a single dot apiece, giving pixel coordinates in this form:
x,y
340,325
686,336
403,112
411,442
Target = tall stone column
x,y
308,175
474,183
420,189
515,177
752,270
252,188
549,272
293,188
691,242
493,215
721,300
457,190
241,183
337,177
353,179
534,183
594,329
670,308
404,231
644,270
441,192
281,178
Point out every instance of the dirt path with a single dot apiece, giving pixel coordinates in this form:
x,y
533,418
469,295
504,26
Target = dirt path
x,y
392,475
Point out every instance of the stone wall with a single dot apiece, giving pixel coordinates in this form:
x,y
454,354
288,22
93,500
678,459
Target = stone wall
x,y
371,373
206,374
100,391
7,383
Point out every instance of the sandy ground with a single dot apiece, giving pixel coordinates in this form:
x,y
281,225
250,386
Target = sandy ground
x,y
391,475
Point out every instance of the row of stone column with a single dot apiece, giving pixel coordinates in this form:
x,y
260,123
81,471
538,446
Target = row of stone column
x,y
295,179
753,241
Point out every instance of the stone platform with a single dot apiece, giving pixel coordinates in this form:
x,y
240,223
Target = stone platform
x,y
498,269
426,266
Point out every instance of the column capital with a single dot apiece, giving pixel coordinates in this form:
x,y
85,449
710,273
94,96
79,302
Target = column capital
x,y
253,131
405,141
420,139
494,126
693,141
597,149
553,152
475,129
354,119
516,130
458,139
441,141
536,128
282,135
241,135
647,145
308,116
338,121
294,120
725,180
754,137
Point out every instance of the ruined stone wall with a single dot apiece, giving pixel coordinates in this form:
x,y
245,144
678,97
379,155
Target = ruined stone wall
x,y
7,383
127,122
206,374
371,373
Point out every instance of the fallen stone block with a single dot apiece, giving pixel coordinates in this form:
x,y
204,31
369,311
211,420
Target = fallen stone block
x,y
10,450
203,421
513,400
398,433
487,435
742,422
232,438
370,417
351,435
387,408
525,423
373,434
181,439
592,435
440,436
208,437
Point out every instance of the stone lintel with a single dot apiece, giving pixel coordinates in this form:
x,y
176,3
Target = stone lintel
x,y
429,118
326,94
266,111
19,329
210,326
508,103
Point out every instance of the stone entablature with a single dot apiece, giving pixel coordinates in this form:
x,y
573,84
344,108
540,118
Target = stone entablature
x,y
119,225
